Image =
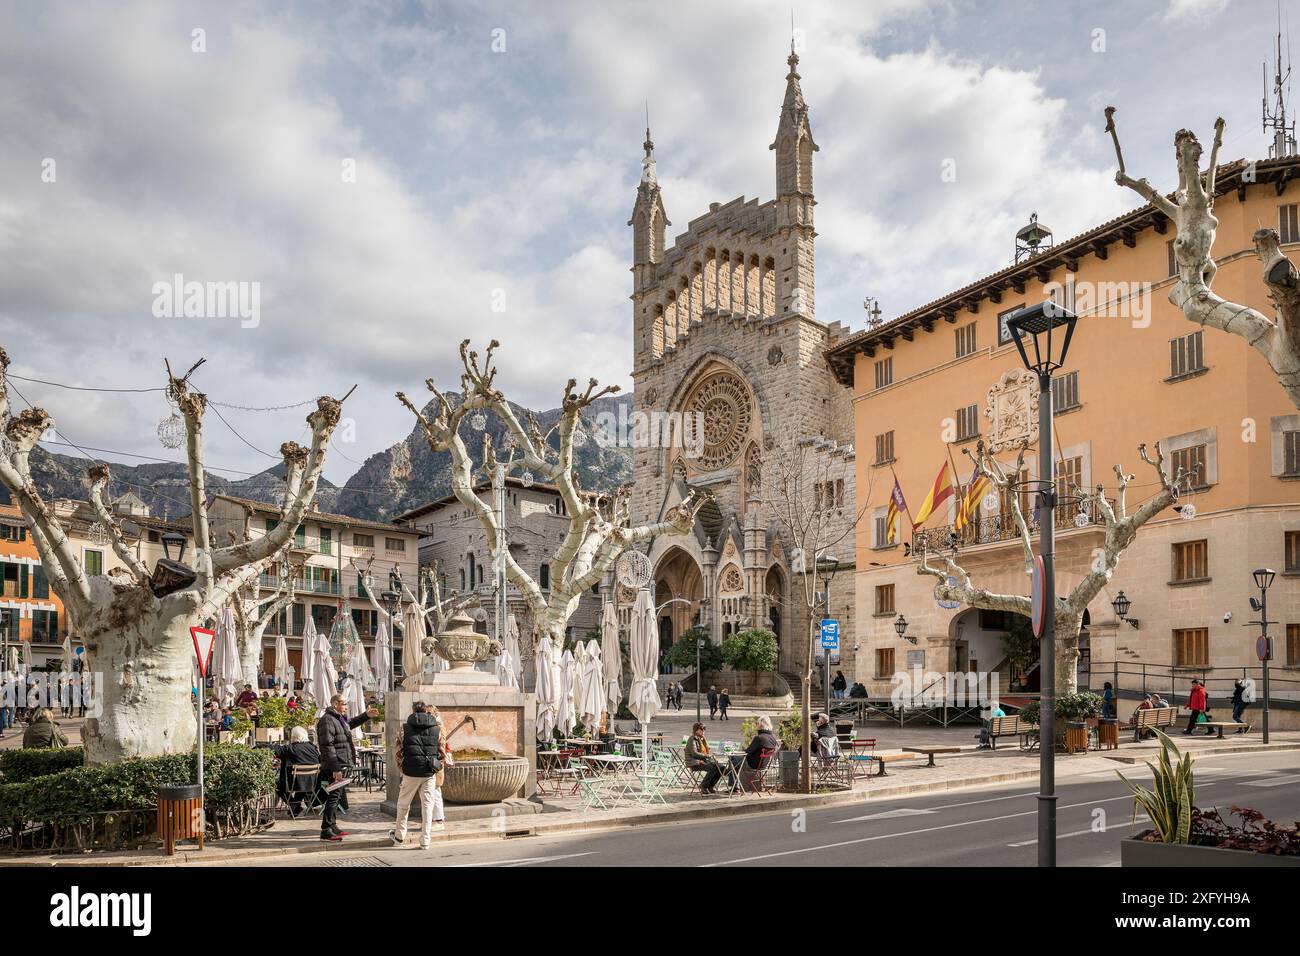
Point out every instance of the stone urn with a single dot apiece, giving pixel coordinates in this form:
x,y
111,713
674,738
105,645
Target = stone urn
x,y
462,647
484,781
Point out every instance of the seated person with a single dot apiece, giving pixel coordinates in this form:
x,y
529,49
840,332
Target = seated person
x,y
822,729
698,756
297,752
763,745
995,710
859,691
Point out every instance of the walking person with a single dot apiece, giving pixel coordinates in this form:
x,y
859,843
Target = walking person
x,y
713,702
1108,700
338,753
1197,703
678,693
724,701
421,759
1239,703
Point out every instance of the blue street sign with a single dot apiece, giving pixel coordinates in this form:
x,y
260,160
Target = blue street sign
x,y
830,635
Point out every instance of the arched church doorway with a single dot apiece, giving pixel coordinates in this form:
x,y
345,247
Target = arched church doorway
x,y
679,589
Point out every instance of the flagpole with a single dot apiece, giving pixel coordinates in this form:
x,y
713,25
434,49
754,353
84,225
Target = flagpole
x,y
956,475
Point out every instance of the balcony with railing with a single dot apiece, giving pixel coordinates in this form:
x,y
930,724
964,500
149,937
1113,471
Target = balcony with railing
x,y
994,529
271,582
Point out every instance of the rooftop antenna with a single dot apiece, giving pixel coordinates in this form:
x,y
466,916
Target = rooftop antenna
x,y
1275,120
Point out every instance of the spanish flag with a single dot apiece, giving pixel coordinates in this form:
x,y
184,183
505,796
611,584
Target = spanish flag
x,y
970,502
897,505
939,493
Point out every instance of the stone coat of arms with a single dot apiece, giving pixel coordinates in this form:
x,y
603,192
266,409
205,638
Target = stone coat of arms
x,y
1012,410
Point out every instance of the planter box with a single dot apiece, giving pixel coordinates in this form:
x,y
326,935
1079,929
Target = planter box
x,y
1135,852
270,734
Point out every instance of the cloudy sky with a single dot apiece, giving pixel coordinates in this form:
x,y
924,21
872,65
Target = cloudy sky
x,y
496,151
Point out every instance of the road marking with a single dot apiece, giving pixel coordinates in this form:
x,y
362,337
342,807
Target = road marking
x,y
1075,833
1274,782
524,860
887,815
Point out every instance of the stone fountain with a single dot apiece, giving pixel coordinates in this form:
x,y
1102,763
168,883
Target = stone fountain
x,y
499,721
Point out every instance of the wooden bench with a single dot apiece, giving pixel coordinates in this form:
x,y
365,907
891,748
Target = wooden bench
x,y
931,751
1003,727
1220,724
883,759
1152,718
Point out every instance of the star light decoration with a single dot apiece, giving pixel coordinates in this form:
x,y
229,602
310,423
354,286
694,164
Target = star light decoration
x,y
478,421
171,431
526,479
98,533
1081,520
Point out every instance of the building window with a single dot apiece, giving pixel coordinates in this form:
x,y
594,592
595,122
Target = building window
x,y
884,662
1291,454
1288,223
1191,462
326,541
363,540
13,532
1293,645
395,544
1186,355
1191,561
882,532
968,422
300,537
1192,647
884,448
965,340
1065,392
1292,562
884,599
1172,264
828,495
40,583
1069,480
884,372
94,562
544,573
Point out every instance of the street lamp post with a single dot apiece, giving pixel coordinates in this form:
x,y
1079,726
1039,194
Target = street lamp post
x,y
1264,581
1039,322
697,651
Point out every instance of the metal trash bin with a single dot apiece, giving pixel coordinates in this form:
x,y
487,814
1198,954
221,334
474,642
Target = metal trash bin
x,y
180,815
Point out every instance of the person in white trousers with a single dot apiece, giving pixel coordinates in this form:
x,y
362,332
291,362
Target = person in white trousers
x,y
421,759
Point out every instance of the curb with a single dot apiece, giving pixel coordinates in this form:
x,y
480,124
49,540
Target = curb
x,y
1209,751
731,808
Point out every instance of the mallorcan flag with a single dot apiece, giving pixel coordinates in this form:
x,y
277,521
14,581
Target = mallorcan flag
x,y
897,505
970,502
940,492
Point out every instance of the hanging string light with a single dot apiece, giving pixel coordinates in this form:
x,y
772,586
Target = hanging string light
x,y
478,421
171,431
526,479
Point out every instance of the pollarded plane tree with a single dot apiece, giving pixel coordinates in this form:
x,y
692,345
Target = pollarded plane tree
x,y
254,612
1191,209
429,611
803,489
1120,528
600,525
135,623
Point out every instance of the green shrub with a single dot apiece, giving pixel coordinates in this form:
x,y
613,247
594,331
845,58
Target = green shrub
x,y
272,712
790,730
1069,707
232,775
239,722
754,650
19,765
303,716
1170,801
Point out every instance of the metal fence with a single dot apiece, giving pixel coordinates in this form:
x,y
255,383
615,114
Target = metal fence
x,y
1133,680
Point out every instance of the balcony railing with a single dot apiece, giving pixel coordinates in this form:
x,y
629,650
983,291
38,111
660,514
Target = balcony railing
x,y
990,529
271,582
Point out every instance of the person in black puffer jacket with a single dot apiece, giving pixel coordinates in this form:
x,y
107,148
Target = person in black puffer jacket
x,y
421,761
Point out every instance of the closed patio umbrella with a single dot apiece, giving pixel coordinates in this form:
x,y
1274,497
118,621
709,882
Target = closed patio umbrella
x,y
308,676
67,653
643,694
593,686
579,665
383,659
281,660
548,691
565,711
508,662
611,657
325,676
226,673
413,634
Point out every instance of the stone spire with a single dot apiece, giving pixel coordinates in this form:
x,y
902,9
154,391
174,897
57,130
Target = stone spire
x,y
794,143
648,219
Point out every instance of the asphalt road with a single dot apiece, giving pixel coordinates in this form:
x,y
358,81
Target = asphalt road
x,y
993,826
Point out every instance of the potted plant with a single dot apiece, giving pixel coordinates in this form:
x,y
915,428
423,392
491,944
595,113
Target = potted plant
x,y
1184,835
240,727
272,715
1072,714
790,732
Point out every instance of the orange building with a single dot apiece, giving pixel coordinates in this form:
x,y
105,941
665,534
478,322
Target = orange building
x,y
31,614
1137,372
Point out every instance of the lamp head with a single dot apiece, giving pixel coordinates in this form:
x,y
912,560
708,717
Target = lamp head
x,y
1042,324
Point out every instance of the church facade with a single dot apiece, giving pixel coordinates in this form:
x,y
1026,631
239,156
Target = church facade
x,y
726,336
